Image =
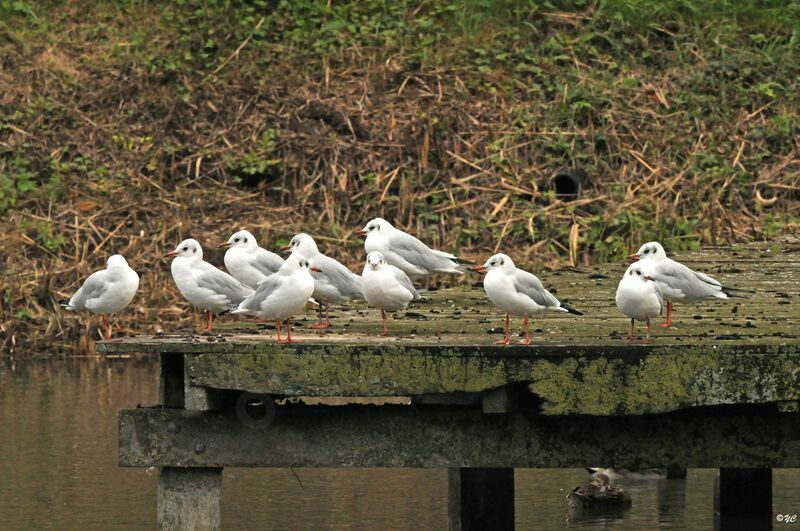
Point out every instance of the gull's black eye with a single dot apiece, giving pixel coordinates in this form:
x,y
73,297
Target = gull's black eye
x,y
492,262
236,240
186,248
646,251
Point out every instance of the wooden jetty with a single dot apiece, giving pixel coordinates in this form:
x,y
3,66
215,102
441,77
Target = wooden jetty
x,y
719,389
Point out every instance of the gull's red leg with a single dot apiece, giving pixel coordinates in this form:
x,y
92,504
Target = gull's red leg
x,y
280,339
319,324
385,327
668,322
527,340
630,337
507,338
289,337
209,320
106,328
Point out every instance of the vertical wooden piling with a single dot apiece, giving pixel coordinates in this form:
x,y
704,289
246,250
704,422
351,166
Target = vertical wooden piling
x,y
188,498
480,498
743,498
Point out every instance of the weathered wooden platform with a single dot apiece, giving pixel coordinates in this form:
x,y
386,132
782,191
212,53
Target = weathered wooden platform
x,y
718,389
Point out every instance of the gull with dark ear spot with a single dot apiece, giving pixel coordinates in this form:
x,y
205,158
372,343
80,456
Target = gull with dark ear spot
x,y
282,295
676,281
204,285
517,292
386,287
106,291
246,261
407,252
639,297
332,283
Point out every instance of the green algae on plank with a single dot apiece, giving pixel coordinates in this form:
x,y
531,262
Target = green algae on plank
x,y
581,381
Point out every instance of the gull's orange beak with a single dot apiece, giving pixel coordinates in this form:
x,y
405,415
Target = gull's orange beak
x,y
478,268
315,269
633,256
171,254
648,277
223,245
285,248
360,232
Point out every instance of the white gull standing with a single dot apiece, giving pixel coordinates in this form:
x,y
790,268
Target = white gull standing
x,y
333,283
517,292
204,285
106,291
246,261
386,287
639,297
676,281
282,295
407,252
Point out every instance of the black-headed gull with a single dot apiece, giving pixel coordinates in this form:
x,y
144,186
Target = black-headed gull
x,y
246,261
334,283
517,292
282,295
386,287
407,252
675,281
639,297
204,285
106,291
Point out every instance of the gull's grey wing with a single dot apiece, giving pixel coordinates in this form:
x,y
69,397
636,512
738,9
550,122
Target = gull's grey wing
x,y
94,287
531,286
347,282
267,262
419,254
266,288
223,284
691,284
404,281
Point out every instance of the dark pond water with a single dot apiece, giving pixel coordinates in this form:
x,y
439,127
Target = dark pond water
x,y
58,469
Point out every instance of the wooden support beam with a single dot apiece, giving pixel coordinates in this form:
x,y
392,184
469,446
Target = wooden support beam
x,y
188,498
442,436
480,498
743,498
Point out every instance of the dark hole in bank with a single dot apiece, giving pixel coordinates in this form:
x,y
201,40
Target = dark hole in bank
x,y
567,183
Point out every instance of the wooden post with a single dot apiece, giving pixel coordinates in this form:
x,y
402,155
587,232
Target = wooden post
x,y
188,498
743,497
480,498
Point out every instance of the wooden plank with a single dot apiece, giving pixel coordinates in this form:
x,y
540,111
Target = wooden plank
x,y
480,498
189,498
595,381
430,436
464,316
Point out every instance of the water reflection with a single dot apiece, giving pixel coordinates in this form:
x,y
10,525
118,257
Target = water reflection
x,y
58,469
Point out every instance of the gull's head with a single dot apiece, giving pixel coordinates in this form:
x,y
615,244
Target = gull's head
x,y
498,261
302,244
116,260
375,226
297,262
242,239
638,272
189,248
375,260
651,250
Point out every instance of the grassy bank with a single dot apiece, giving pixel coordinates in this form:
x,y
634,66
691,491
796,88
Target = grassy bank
x,y
126,128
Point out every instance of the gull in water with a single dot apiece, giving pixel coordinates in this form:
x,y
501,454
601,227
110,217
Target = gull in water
x,y
204,285
676,281
386,287
517,292
246,261
282,295
333,282
106,291
407,252
639,297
